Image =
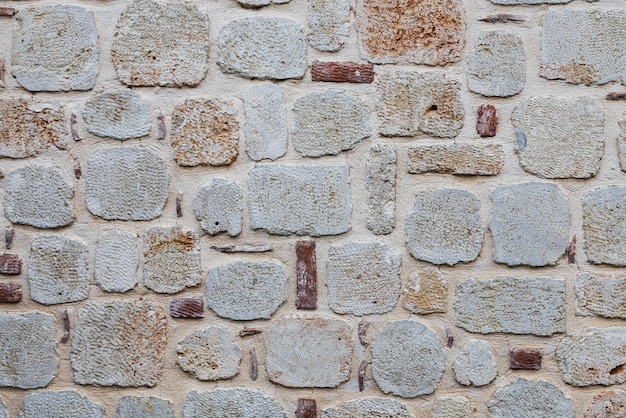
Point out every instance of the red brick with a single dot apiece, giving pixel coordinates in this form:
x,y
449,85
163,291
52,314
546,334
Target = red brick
x,y
187,308
306,275
10,292
307,408
525,358
342,72
10,264
487,121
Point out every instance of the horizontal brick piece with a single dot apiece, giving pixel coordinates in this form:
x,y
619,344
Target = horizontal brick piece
x,y
10,264
487,121
342,72
525,358
187,308
10,293
460,159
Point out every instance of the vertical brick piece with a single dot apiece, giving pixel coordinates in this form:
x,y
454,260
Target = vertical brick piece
x,y
487,121
307,408
525,358
10,264
342,72
10,293
306,275
187,308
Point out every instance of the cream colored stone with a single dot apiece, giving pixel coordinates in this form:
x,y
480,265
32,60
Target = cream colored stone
x,y
426,292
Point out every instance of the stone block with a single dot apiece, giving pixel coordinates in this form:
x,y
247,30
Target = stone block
x,y
218,207
118,114
426,292
209,354
240,402
10,264
604,223
530,398
476,365
606,404
601,294
525,358
116,261
265,129
452,407
380,183
371,407
66,404
459,159
144,407
329,23
342,72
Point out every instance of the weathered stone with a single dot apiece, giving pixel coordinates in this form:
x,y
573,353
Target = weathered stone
x,y
525,358
559,137
260,3
496,65
10,293
27,341
209,354
362,278
3,411
171,259
445,226
66,61
342,72
530,398
246,290
529,224
187,308
239,402
144,407
128,183
621,142
262,47
410,102
428,32
329,21
57,270
302,200
218,207
476,365
601,294
426,292
119,114
452,407
28,128
372,407
309,352
380,182
607,404
604,223
486,120
265,129
460,159
10,264
161,44
39,196
515,305
306,275
116,261
65,404
119,343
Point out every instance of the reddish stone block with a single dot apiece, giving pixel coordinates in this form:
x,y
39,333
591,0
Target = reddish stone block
x,y
10,264
187,308
342,72
307,408
10,293
487,121
525,358
306,275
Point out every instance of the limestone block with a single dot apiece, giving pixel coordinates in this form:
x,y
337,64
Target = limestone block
x,y
240,402
530,398
426,292
65,404
476,365
265,129
459,159
119,114
144,407
380,182
209,354
601,294
452,407
606,404
116,261
604,223
372,407
329,21
218,207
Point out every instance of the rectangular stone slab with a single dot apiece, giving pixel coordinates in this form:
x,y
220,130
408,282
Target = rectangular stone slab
x,y
306,275
525,358
10,293
460,159
10,264
187,308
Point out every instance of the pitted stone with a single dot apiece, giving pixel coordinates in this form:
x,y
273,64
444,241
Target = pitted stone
x,y
530,398
372,407
445,226
407,359
246,290
3,411
265,129
119,343
607,404
116,261
239,402
328,122
380,182
262,47
119,114
476,365
329,21
459,159
39,196
309,352
65,404
604,223
209,354
144,407
218,207
426,292
452,407
601,294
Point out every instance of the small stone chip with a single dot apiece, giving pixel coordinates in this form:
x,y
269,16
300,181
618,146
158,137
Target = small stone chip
x,y
476,365
426,292
66,404
525,358
218,207
380,182
342,72
329,21
10,264
372,407
10,293
144,407
119,114
459,159
530,398
607,404
601,294
265,129
116,261
209,354
604,223
239,402
452,407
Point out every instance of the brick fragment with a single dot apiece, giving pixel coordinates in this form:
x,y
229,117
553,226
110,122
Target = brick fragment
x,y
118,114
329,23
380,182
7,11
426,292
370,407
525,358
530,398
239,402
144,407
342,72
67,404
601,294
458,159
187,308
613,96
306,275
605,230
487,121
209,354
218,207
607,404
10,293
307,408
10,264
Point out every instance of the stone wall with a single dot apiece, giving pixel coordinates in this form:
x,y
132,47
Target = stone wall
x,y
267,208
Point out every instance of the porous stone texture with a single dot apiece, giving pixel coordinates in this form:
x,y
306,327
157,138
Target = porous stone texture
x,y
459,159
621,142
239,402
27,341
116,261
496,64
161,44
373,407
410,102
514,305
128,183
607,404
530,398
328,122
362,278
445,226
329,23
218,207
262,47
426,292
559,137
119,114
476,365
265,130
29,128
119,343
66,61
601,294
171,259
452,407
57,270
144,407
529,224
407,359
308,352
209,354
3,410
39,196
604,223
299,199
246,290
380,182
65,404
428,32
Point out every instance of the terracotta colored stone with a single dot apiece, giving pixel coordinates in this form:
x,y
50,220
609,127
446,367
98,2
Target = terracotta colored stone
x,y
306,275
307,408
458,159
10,264
342,72
426,292
187,308
487,121
10,293
525,358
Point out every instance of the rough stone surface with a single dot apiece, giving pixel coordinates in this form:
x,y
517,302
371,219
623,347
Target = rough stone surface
x,y
559,137
119,343
372,407
265,129
410,102
28,343
39,196
380,182
621,142
144,407
119,114
426,292
328,122
604,223
116,261
128,183
514,2
218,207
515,305
496,65
601,294
246,290
161,44
302,200
529,224
607,404
452,407
3,411
28,128
362,278
260,3
309,352
57,270
209,354
171,259
262,47
476,365
66,61
240,402
460,159
445,227
329,21
65,404
407,359
530,398
428,32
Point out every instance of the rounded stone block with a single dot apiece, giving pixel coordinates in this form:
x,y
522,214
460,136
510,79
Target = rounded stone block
x,y
218,207
65,404
239,402
372,407
144,407
476,365
118,114
530,398
265,129
604,223
116,261
209,354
